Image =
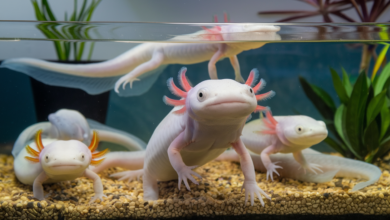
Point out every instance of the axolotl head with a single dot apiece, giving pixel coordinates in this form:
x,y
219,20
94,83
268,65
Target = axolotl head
x,y
65,157
296,131
69,124
218,101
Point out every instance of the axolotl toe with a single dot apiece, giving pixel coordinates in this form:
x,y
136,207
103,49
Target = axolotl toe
x,y
51,160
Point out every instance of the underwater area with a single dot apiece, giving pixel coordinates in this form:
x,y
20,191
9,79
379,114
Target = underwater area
x,y
330,81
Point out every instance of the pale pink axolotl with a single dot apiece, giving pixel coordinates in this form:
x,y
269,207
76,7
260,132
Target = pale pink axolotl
x,y
205,122
51,160
221,41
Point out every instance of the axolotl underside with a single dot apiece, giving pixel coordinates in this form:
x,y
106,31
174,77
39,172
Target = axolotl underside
x,y
52,160
205,122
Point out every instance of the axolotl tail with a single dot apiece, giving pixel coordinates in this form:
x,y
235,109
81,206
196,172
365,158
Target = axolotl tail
x,y
331,166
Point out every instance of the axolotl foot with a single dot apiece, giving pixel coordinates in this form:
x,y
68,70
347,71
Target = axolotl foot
x,y
271,168
96,197
312,167
124,80
186,173
129,175
252,189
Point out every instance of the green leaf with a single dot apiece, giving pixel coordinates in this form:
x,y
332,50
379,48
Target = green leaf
x,y
379,60
38,13
339,87
82,10
371,137
384,148
48,10
375,106
339,123
382,79
320,99
346,82
333,144
90,50
355,114
385,120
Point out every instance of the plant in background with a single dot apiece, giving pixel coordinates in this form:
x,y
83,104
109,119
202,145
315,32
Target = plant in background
x,y
360,124
57,31
325,8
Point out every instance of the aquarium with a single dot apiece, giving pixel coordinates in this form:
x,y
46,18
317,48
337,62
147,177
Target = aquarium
x,y
301,108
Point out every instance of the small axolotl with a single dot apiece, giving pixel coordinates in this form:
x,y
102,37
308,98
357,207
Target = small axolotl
x,y
205,122
67,124
332,166
283,134
51,160
145,60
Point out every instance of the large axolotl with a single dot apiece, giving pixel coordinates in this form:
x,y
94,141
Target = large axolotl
x,y
205,122
230,40
51,160
67,124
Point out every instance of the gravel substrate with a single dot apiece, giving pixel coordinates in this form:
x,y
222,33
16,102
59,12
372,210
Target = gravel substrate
x,y
218,194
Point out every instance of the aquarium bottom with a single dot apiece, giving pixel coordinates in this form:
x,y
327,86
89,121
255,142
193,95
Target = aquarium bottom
x,y
217,196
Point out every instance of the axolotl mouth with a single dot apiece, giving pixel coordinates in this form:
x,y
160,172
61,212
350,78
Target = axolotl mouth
x,y
227,102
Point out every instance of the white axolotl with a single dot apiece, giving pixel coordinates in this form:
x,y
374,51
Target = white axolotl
x,y
205,122
66,124
283,134
332,166
55,161
230,40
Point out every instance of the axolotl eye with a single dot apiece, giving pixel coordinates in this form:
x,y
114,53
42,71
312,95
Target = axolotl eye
x,y
202,95
299,129
46,158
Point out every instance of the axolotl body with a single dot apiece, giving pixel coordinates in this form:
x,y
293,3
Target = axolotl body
x,y
146,59
52,160
205,122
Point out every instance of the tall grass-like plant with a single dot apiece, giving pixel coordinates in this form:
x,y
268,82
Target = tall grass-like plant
x,y
56,31
361,123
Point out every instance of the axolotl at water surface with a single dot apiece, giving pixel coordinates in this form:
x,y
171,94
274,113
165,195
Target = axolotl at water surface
x,y
292,136
52,160
205,122
143,61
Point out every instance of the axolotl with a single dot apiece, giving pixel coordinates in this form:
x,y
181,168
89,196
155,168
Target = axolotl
x,y
52,160
292,136
145,60
205,122
67,124
284,134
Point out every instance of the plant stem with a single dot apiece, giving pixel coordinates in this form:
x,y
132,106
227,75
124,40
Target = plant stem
x,y
366,58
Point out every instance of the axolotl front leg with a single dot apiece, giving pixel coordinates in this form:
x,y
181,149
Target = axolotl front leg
x,y
184,172
271,167
97,185
220,53
250,184
38,187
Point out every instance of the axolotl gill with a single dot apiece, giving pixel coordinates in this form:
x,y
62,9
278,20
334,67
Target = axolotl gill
x,y
205,122
52,160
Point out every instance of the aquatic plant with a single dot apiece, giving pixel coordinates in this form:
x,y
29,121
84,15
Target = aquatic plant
x,y
325,8
57,31
361,123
